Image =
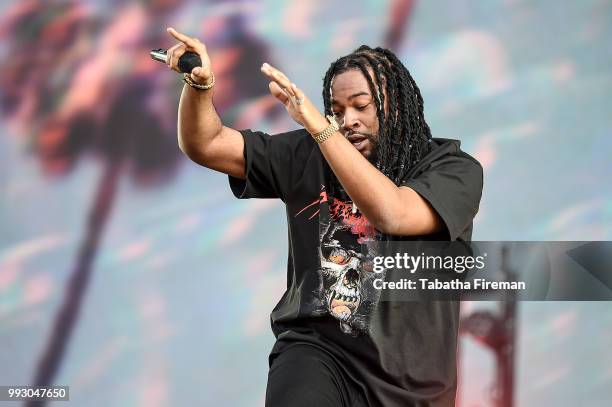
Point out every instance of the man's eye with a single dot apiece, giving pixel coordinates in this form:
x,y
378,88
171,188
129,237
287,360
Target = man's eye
x,y
361,108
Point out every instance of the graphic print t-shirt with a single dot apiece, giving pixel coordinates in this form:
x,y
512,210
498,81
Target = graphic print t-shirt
x,y
398,353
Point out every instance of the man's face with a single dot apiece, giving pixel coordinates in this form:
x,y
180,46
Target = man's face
x,y
355,109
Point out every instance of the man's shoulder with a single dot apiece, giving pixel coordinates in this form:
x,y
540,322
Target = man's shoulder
x,y
297,138
296,133
288,149
289,134
442,148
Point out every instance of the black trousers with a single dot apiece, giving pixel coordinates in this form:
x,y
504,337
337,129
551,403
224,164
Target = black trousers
x,y
305,376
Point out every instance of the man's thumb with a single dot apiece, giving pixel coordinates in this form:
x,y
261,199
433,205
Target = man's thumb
x,y
198,74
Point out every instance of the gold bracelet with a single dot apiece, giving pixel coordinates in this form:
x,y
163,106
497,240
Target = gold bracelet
x,y
329,130
187,79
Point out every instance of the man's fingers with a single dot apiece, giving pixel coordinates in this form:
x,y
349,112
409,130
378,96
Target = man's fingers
x,y
174,57
174,53
278,92
299,95
177,35
183,38
277,72
278,77
169,53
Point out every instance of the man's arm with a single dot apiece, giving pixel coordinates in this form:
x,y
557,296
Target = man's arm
x,y
391,209
445,197
201,135
204,139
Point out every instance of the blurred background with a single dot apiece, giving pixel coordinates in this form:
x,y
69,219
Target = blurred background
x,y
135,277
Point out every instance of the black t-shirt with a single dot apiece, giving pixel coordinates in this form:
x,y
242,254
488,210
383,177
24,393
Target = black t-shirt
x,y
398,353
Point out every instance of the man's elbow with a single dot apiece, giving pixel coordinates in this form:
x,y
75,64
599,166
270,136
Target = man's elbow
x,y
387,223
389,227
186,150
181,147
410,224
195,152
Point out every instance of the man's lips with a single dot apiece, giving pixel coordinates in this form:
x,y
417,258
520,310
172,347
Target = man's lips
x,y
358,140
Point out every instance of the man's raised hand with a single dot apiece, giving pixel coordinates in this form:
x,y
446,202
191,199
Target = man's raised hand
x,y
299,107
199,75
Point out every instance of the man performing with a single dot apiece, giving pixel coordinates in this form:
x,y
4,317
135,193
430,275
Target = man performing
x,y
366,170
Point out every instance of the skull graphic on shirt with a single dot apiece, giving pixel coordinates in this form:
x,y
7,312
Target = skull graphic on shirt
x,y
346,271
341,271
345,289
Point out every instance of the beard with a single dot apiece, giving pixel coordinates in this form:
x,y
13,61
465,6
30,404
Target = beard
x,y
373,140
374,153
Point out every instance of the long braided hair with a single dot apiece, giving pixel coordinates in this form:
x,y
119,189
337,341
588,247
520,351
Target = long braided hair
x,y
404,136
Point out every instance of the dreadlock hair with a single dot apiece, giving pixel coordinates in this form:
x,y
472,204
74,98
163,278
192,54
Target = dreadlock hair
x,y
403,136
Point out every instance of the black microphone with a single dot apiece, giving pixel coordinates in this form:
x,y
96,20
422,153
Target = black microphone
x,y
186,62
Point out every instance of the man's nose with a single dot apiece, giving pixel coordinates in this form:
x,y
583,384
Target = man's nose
x,y
350,121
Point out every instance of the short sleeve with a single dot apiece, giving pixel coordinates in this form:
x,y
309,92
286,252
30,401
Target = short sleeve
x,y
272,164
452,184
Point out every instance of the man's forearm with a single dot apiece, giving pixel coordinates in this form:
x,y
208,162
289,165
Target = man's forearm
x,y
370,189
198,121
392,210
